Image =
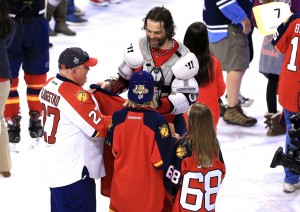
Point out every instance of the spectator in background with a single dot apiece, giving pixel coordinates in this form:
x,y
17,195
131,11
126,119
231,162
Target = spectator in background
x,y
270,66
29,51
6,36
209,76
58,10
229,32
74,14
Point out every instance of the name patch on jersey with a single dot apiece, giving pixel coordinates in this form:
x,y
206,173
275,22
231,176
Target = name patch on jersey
x,y
50,97
164,131
135,117
82,96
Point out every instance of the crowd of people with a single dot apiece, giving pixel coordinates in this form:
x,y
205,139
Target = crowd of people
x,y
171,112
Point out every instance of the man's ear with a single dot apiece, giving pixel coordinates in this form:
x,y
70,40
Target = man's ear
x,y
73,71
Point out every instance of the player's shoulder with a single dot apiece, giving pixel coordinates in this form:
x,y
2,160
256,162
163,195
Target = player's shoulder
x,y
74,93
294,16
119,116
48,80
183,148
153,119
155,115
120,113
293,20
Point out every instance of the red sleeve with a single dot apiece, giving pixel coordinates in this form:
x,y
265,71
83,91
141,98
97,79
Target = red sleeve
x,y
165,106
108,103
219,77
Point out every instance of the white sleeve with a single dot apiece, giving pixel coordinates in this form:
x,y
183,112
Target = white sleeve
x,y
186,67
133,56
184,93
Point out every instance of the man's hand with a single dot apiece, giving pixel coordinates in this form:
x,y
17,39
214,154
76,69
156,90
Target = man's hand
x,y
246,26
104,85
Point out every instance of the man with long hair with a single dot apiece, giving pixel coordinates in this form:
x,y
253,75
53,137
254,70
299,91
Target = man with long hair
x,y
171,64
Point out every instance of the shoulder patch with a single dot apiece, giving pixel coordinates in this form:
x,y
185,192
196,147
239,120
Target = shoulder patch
x,y
164,131
181,151
82,96
110,124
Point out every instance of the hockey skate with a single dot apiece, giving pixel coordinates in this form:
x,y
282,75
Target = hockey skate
x,y
13,127
35,128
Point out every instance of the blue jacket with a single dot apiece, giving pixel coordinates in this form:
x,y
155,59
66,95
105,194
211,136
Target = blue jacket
x,y
218,14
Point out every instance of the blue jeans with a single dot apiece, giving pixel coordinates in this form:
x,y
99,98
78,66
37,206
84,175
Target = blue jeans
x,y
289,176
71,7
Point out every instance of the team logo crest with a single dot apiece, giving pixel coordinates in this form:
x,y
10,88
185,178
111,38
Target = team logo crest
x,y
76,60
82,96
140,90
164,131
181,151
193,97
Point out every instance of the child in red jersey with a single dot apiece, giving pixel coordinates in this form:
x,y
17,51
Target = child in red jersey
x,y
142,144
197,169
286,41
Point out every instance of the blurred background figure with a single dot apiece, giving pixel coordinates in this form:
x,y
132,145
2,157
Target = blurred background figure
x,y
6,35
270,64
227,24
74,14
104,3
28,51
58,10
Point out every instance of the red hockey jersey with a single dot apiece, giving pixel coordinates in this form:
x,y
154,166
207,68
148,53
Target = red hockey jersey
x,y
142,144
195,187
287,41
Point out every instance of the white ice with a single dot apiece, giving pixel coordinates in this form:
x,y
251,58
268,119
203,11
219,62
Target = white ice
x,y
249,185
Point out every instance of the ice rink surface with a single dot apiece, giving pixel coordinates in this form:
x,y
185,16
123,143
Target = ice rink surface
x,y
250,184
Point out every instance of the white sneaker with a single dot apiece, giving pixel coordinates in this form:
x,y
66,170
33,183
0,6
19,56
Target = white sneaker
x,y
78,11
243,101
289,188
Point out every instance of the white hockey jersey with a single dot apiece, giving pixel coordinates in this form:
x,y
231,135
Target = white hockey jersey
x,y
74,129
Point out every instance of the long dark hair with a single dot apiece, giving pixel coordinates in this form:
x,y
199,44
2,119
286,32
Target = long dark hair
x,y
5,26
196,40
162,15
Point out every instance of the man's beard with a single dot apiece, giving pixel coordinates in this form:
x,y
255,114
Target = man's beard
x,y
160,42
